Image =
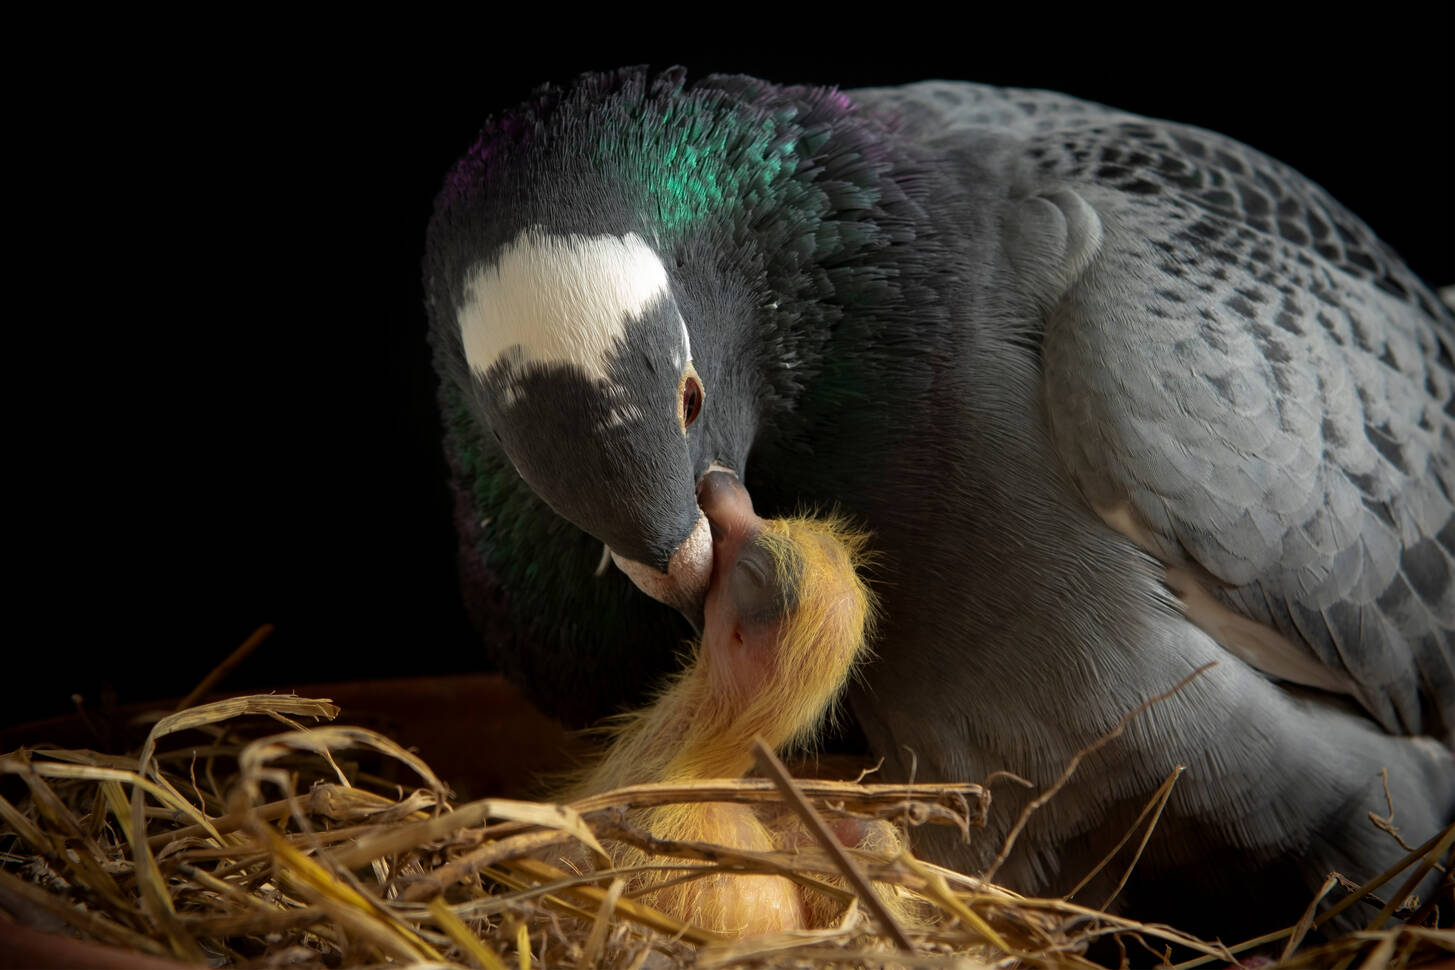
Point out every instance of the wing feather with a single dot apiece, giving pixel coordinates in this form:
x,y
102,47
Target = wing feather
x,y
1241,361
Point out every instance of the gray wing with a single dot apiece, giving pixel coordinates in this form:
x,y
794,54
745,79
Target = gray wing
x,y
938,107
1242,377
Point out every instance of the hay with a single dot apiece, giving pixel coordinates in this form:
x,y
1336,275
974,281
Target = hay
x,y
214,845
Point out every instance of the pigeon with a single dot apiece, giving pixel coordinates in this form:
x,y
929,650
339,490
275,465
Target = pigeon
x,y
1154,439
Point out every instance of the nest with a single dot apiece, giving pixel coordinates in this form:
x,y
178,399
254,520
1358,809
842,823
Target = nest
x,y
215,845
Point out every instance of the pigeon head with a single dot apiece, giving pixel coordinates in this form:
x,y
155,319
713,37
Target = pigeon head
x,y
583,367
631,276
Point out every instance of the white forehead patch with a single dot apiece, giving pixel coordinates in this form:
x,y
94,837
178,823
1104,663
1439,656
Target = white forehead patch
x,y
684,353
559,299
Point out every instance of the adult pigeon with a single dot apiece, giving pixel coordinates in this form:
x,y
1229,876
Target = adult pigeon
x,y
1118,398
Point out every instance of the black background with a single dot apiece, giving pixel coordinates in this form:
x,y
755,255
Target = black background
x,y
222,404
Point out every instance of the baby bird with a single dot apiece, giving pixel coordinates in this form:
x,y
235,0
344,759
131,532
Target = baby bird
x,y
787,617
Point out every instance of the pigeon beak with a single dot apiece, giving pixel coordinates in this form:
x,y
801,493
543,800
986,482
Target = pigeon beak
x,y
722,497
689,571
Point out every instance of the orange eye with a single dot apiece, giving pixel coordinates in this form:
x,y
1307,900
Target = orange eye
x,y
690,398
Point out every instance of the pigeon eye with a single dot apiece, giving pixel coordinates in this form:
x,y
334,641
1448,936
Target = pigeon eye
x,y
690,397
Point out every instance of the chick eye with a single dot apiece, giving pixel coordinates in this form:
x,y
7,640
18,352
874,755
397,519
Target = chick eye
x,y
690,397
754,587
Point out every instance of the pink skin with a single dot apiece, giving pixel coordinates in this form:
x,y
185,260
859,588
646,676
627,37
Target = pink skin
x,y
739,649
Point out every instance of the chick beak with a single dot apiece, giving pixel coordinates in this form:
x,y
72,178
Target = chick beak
x,y
727,505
